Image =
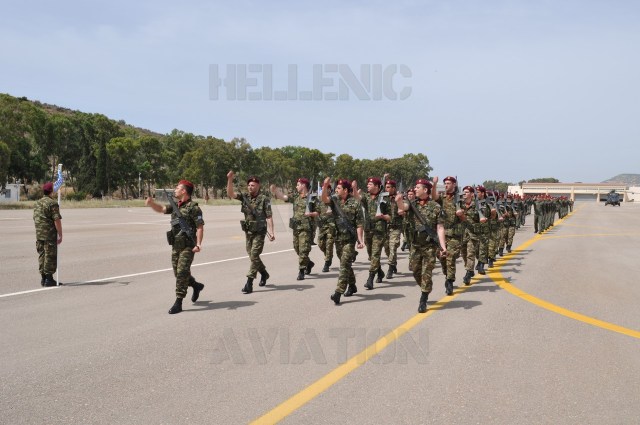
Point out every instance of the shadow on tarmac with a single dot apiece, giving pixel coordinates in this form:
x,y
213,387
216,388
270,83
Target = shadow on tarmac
x,y
210,305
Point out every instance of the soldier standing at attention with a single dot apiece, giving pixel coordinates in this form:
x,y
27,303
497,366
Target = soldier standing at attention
x,y
394,230
48,221
423,244
257,224
454,227
185,237
301,223
348,216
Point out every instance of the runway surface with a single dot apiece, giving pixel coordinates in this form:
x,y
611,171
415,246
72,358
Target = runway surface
x,y
551,335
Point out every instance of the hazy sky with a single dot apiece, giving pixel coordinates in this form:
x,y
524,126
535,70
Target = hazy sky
x,y
497,90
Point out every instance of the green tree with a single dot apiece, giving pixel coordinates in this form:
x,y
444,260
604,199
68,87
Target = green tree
x,y
544,180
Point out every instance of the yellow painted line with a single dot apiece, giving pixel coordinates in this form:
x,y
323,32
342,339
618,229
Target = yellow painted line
x,y
298,400
497,277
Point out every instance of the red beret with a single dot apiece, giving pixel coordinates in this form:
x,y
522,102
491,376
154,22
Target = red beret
x,y
47,187
391,183
186,183
346,184
303,181
375,181
253,179
469,188
424,182
481,189
451,179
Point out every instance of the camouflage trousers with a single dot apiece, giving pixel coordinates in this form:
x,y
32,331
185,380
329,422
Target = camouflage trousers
x,y
391,244
483,247
448,263
345,251
254,245
302,245
326,240
47,256
510,234
422,263
181,260
494,242
374,242
537,227
468,250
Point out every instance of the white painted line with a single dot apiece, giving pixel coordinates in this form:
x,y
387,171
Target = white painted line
x,y
143,273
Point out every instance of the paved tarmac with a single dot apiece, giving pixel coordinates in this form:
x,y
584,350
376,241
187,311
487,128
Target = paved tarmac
x,y
551,335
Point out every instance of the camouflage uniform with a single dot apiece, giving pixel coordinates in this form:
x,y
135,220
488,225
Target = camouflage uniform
x,y
392,240
255,228
45,213
470,240
454,232
375,230
181,253
345,241
424,256
302,227
327,231
483,234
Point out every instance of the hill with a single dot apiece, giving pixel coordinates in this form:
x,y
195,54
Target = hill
x,y
628,179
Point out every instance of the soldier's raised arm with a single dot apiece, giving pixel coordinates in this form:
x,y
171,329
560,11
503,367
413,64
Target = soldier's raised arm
x,y
230,192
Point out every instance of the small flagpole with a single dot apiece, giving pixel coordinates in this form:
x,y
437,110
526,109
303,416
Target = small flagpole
x,y
58,185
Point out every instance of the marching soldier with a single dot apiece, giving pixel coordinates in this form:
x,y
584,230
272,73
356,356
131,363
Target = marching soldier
x,y
375,229
407,226
257,223
423,209
301,223
48,222
348,216
483,229
454,227
394,229
185,238
326,232
470,240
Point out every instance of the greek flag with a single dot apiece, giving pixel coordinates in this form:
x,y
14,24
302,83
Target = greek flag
x,y
58,183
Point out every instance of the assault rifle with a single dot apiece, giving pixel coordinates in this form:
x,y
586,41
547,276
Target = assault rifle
x,y
456,197
247,206
342,221
494,204
307,208
478,206
381,196
179,220
425,228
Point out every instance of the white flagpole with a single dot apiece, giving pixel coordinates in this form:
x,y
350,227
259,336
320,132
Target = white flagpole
x,y
58,250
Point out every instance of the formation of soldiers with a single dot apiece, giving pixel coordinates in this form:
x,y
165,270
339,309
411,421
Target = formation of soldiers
x,y
474,224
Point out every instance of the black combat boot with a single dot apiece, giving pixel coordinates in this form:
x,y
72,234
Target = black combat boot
x,y
369,284
467,277
501,251
197,287
336,297
448,286
176,307
480,268
404,246
380,275
508,248
49,281
263,277
300,274
248,287
390,272
422,307
327,264
352,289
44,277
310,265
491,260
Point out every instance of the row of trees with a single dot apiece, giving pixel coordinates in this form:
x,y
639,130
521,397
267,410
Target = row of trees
x,y
101,156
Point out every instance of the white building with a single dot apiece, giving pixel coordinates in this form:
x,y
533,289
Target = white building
x,y
11,193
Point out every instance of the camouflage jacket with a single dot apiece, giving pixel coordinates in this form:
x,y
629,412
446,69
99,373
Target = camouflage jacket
x,y
453,225
45,213
192,214
372,223
300,222
431,212
352,213
261,205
